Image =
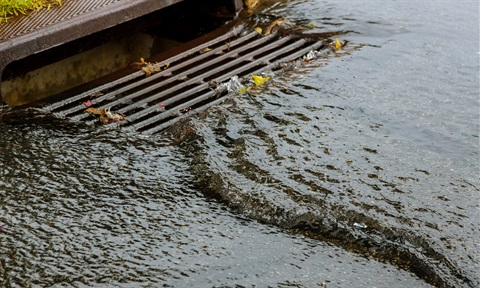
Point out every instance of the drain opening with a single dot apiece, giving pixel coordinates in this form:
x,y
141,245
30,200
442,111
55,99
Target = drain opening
x,y
188,82
64,67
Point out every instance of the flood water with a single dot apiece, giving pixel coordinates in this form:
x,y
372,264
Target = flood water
x,y
360,169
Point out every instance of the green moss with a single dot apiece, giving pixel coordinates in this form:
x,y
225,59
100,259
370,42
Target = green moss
x,y
12,8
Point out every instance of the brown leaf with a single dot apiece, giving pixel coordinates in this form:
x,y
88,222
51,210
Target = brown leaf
x,y
108,116
147,71
93,111
274,23
251,3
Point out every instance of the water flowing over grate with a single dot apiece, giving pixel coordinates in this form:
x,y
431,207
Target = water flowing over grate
x,y
188,82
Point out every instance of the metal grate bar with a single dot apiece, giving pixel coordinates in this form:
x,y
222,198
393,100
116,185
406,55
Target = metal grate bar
x,y
172,79
55,106
172,112
169,123
211,94
198,79
58,105
153,103
294,56
222,78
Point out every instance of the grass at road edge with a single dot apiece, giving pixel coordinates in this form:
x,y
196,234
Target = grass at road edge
x,y
12,8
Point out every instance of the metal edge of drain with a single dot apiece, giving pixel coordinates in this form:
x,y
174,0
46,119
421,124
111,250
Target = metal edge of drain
x,y
188,86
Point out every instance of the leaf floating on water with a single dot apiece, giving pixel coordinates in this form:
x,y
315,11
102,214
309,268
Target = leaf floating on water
x,y
338,45
274,23
259,80
243,90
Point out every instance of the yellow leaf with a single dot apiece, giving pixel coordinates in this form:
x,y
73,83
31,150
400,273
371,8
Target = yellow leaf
x,y
243,90
338,45
259,30
147,71
251,3
259,80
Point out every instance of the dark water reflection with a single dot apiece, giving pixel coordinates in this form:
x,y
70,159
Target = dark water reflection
x,y
373,151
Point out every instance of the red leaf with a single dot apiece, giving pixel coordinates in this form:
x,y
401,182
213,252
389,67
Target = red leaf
x,y
88,103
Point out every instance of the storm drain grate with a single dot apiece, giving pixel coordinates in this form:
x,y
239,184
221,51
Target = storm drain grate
x,y
188,82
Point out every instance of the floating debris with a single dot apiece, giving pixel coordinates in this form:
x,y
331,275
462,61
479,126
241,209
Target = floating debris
x,y
338,45
310,26
360,225
314,54
310,55
274,23
107,116
233,85
259,80
244,90
251,3
149,68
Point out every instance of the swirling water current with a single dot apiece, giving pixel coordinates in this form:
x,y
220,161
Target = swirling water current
x,y
360,169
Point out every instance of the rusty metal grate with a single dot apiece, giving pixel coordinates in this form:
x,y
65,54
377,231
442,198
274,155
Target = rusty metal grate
x,y
153,103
